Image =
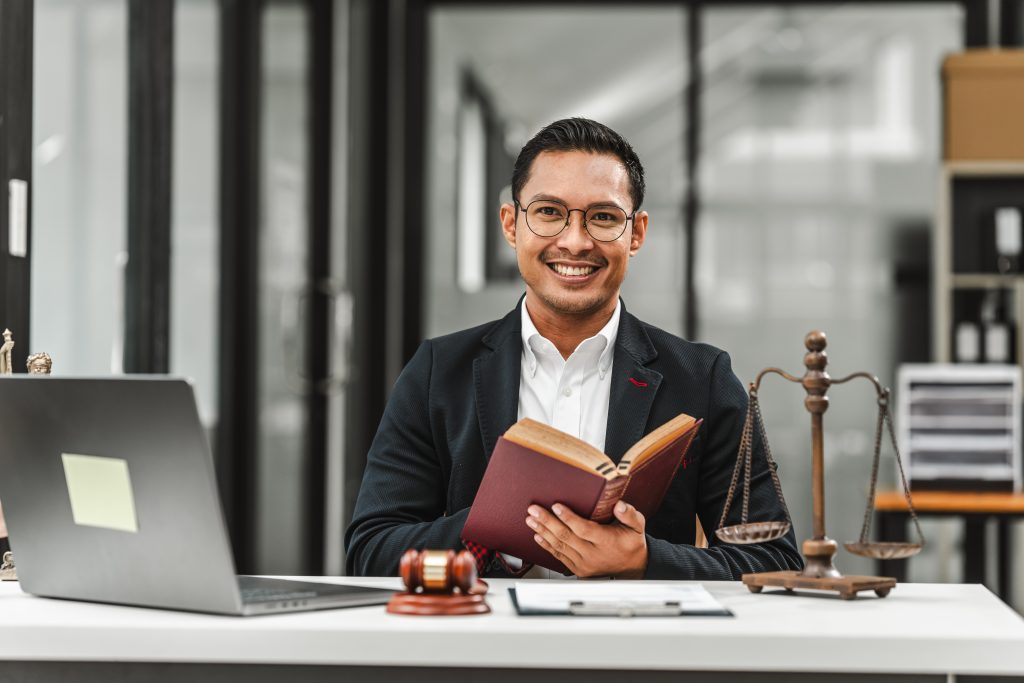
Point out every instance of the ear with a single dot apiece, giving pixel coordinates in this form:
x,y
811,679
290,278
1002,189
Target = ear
x,y
508,223
639,234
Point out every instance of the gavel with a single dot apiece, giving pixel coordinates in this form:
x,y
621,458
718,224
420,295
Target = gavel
x,y
438,583
438,571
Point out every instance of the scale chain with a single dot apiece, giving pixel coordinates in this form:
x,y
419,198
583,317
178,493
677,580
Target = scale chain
x,y
879,424
748,463
745,444
772,466
884,422
903,476
745,462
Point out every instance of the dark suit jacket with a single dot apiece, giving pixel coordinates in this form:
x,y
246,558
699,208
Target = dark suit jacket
x,y
460,392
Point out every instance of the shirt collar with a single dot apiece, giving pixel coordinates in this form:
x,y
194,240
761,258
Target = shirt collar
x,y
610,332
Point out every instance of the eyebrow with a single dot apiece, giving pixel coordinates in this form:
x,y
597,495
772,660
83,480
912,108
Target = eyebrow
x,y
553,198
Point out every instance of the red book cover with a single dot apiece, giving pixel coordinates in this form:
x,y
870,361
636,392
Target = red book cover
x,y
650,479
518,476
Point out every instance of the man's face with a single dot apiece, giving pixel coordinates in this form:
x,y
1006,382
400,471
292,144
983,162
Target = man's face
x,y
579,180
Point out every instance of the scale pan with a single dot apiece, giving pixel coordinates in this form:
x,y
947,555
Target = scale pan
x,y
884,551
752,532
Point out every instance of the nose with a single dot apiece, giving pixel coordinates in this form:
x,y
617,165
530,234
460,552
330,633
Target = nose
x,y
574,238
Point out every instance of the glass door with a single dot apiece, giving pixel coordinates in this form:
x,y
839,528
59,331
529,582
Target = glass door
x,y
79,193
283,424
303,310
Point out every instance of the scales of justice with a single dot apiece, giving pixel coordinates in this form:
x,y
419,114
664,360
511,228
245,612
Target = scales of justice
x,y
819,572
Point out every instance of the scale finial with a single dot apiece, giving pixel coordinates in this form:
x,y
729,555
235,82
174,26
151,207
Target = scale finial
x,y
815,341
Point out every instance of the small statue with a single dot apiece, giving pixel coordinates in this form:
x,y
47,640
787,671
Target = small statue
x,y
7,571
39,363
6,364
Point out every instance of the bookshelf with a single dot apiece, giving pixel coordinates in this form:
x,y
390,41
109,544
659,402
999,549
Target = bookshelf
x,y
965,265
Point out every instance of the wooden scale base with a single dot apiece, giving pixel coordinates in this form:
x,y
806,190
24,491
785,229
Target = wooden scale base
x,y
437,605
846,586
820,574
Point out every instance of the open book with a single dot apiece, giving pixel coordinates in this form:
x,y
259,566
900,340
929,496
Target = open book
x,y
537,464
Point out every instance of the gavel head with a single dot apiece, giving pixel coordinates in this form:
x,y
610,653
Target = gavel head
x,y
438,571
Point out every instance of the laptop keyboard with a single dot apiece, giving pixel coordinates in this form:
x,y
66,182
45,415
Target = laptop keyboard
x,y
274,594
268,592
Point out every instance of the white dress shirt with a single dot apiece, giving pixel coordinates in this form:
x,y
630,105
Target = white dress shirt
x,y
569,394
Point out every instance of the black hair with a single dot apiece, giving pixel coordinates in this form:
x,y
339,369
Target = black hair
x,y
583,135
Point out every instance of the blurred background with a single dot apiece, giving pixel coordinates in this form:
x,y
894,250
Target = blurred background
x,y
281,199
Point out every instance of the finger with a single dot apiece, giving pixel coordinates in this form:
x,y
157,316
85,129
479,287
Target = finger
x,y
630,517
548,525
583,528
545,519
556,534
559,554
559,530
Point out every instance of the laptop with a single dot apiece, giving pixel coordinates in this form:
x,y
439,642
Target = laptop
x,y
109,495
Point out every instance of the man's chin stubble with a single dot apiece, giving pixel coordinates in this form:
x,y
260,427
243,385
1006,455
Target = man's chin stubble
x,y
572,306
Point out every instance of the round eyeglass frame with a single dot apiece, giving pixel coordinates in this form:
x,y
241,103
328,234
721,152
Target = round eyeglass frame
x,y
568,211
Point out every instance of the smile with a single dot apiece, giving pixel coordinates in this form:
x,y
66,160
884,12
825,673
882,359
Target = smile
x,y
575,272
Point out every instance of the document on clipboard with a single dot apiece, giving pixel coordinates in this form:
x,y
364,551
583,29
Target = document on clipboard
x,y
615,599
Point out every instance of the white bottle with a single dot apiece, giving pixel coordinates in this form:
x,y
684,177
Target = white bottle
x,y
1008,237
997,343
968,342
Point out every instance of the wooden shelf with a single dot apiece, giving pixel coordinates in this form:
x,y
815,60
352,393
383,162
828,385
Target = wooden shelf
x,y
983,168
953,502
985,280
945,283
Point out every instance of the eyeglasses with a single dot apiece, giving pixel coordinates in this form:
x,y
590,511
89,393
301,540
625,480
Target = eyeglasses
x,y
547,218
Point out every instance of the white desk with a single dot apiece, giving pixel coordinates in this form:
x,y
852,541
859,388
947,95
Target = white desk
x,y
918,629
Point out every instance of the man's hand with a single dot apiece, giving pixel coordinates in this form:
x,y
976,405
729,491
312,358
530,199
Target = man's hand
x,y
3,524
587,548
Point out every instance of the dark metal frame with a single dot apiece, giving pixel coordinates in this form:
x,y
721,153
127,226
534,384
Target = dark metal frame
x,y
16,20
368,195
691,199
321,92
150,110
499,264
241,161
1011,24
240,58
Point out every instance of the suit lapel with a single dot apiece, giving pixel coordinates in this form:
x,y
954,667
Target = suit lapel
x,y
633,389
496,379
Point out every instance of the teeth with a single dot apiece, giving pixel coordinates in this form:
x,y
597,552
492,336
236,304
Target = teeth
x,y
572,270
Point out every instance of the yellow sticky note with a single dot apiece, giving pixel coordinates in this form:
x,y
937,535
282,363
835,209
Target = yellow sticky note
x,y
100,491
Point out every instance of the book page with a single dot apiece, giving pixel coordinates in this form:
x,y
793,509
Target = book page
x,y
653,443
557,444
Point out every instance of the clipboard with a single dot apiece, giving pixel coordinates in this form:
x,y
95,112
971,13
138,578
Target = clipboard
x,y
625,607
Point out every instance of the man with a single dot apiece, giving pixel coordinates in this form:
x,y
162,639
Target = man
x,y
571,356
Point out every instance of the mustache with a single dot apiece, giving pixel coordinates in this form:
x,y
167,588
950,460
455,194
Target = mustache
x,y
597,261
